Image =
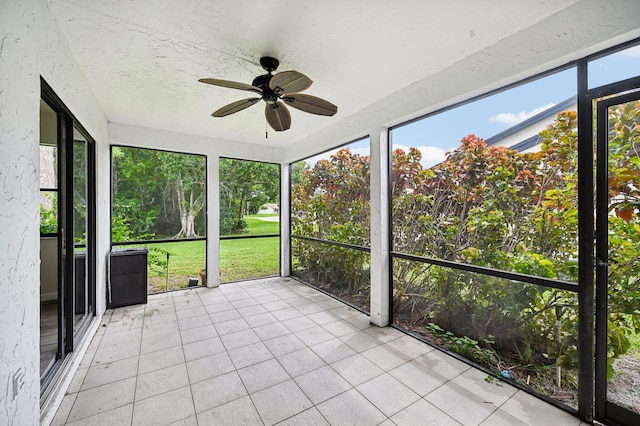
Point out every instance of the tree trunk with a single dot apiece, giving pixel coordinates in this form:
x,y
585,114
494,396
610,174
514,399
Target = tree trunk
x,y
183,211
243,205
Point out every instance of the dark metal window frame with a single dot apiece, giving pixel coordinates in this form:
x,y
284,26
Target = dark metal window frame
x,y
318,240
603,409
243,237
125,243
55,190
585,286
113,244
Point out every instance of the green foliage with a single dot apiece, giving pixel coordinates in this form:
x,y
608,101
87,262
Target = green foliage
x,y
331,202
245,186
120,231
157,193
230,225
464,345
157,261
49,216
492,207
499,208
297,172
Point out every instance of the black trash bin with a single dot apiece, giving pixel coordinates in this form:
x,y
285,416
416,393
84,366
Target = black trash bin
x,y
127,277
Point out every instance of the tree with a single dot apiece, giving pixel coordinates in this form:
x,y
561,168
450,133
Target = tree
x,y
157,194
492,207
297,172
331,202
185,177
512,211
137,190
474,207
245,186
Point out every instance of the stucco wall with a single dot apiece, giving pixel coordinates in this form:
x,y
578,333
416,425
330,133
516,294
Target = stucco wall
x,y
19,236
31,45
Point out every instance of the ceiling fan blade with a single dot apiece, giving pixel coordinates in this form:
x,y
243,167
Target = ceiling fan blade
x,y
231,84
278,116
235,107
290,81
311,104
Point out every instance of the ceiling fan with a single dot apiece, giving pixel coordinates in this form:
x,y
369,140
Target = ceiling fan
x,y
276,91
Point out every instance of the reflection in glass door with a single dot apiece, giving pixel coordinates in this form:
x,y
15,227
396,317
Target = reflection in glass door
x,y
618,259
80,294
49,240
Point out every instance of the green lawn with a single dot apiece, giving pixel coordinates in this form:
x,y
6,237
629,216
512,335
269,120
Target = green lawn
x,y
252,257
185,257
257,226
249,258
239,258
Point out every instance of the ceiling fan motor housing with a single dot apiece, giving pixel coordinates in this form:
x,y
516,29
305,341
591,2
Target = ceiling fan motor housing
x,y
269,64
268,94
262,81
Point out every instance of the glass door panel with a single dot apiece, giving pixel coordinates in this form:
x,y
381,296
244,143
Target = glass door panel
x,y
80,197
49,259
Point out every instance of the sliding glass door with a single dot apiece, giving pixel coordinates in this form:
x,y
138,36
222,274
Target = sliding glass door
x,y
67,224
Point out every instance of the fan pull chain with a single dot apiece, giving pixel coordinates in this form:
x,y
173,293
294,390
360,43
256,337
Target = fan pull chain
x,y
266,130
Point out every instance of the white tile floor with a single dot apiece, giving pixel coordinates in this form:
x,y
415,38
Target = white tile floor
x,y
275,351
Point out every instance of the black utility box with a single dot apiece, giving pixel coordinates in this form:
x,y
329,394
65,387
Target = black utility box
x,y
127,277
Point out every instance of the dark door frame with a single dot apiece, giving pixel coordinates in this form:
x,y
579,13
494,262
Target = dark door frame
x,y
67,339
605,410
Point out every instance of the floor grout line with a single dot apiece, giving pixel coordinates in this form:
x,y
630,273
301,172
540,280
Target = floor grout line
x,y
324,315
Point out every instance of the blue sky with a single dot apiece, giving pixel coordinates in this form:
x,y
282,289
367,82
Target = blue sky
x,y
442,132
436,135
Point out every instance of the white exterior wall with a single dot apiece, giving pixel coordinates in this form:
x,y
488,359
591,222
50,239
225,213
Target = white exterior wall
x,y
379,205
31,45
285,220
19,215
213,221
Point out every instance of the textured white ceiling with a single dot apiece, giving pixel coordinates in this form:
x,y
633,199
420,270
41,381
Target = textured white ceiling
x,y
143,58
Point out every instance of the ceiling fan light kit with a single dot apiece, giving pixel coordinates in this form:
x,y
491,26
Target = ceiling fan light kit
x,y
276,91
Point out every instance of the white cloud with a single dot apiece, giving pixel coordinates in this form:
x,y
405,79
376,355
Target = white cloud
x,y
431,155
512,119
311,161
632,52
362,151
